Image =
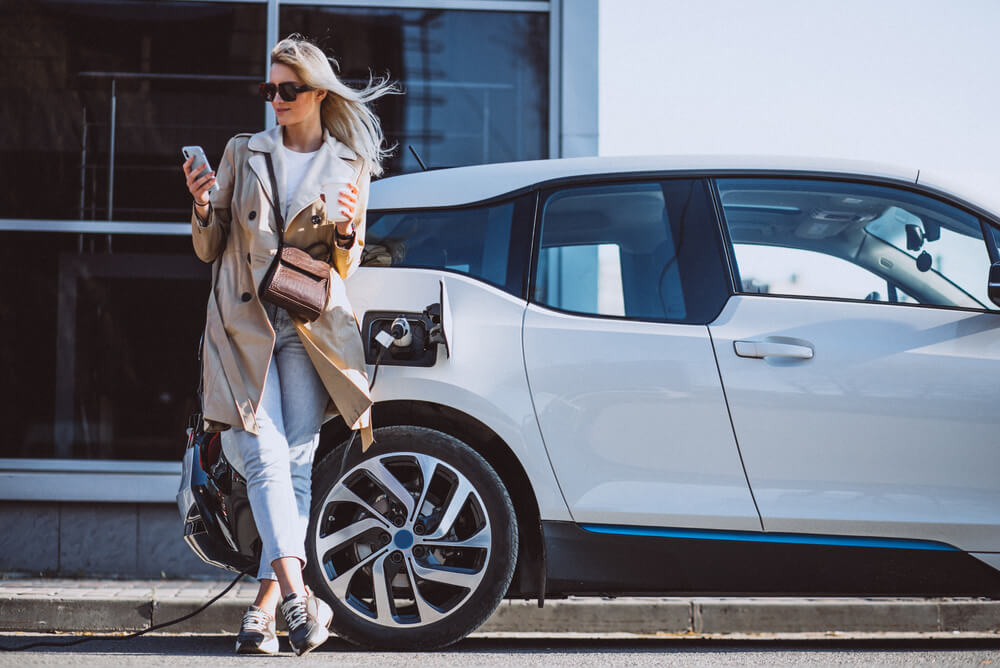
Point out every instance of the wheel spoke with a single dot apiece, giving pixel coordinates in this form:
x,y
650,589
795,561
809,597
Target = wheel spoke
x,y
391,484
427,466
455,577
383,608
428,613
450,513
339,584
343,493
337,538
482,539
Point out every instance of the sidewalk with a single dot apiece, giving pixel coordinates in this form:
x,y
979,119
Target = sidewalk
x,y
40,604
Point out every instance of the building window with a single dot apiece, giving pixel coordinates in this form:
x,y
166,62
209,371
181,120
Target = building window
x,y
476,82
99,349
161,74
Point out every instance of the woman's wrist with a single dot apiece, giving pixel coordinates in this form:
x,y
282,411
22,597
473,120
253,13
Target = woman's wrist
x,y
201,210
342,240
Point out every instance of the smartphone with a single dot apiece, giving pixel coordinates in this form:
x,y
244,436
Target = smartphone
x,y
199,160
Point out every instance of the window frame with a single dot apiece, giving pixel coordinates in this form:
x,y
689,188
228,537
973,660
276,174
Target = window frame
x,y
547,189
987,222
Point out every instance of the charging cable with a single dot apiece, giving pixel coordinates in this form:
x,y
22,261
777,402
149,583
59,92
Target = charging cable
x,y
136,634
398,331
398,334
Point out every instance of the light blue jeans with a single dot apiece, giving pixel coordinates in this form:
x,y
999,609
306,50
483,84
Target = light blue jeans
x,y
277,463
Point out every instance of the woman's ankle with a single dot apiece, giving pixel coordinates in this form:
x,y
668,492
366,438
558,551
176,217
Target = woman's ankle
x,y
268,596
289,573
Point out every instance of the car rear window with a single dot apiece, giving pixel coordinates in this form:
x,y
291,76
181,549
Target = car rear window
x,y
475,240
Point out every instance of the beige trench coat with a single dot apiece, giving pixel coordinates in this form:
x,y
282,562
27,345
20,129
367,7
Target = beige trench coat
x,y
240,237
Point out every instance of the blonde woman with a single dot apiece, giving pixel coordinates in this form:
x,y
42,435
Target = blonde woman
x,y
271,379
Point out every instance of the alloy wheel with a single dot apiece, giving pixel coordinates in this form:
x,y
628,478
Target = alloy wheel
x,y
403,540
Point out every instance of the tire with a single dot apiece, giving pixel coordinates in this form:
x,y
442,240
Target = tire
x,y
362,532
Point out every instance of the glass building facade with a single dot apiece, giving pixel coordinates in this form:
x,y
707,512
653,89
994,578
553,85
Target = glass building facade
x,y
103,301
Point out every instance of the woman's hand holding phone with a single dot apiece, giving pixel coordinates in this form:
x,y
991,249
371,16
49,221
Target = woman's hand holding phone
x,y
199,181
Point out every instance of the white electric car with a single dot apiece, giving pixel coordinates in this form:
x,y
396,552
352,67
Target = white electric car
x,y
653,376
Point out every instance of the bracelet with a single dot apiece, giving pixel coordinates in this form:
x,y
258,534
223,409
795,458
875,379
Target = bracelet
x,y
344,241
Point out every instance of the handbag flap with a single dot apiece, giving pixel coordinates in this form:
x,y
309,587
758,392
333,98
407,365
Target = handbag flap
x,y
301,260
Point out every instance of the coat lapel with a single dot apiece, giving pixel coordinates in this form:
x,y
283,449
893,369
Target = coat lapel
x,y
328,166
259,144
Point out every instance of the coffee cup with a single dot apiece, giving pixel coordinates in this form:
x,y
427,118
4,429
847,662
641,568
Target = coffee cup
x,y
331,195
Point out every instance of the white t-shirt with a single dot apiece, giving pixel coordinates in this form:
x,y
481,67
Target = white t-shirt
x,y
296,165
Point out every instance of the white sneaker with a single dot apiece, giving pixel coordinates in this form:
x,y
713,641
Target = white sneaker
x,y
256,634
308,619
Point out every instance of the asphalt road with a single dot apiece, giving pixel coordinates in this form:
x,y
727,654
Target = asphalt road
x,y
217,650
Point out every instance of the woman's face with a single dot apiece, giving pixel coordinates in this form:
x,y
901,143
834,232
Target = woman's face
x,y
306,104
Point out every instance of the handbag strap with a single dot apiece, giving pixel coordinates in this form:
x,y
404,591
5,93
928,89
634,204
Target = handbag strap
x,y
275,202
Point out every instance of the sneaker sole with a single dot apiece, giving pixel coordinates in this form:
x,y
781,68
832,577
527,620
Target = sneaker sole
x,y
320,637
266,647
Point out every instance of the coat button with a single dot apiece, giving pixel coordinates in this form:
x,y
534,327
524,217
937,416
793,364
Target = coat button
x,y
245,296
316,220
252,215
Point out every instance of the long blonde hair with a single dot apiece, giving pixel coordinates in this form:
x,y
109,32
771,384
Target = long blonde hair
x,y
344,112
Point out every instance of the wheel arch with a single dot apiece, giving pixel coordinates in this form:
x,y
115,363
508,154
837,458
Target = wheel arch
x,y
529,573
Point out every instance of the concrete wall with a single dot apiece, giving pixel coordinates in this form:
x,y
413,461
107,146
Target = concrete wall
x,y
87,539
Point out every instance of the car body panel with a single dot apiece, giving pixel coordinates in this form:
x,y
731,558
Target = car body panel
x,y
635,422
890,429
484,376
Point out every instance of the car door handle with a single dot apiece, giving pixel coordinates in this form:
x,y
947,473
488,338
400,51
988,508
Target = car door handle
x,y
762,349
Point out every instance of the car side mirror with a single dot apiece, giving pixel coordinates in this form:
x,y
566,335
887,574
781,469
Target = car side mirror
x,y
993,287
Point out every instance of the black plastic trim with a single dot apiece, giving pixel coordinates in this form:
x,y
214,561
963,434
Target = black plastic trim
x,y
584,562
220,528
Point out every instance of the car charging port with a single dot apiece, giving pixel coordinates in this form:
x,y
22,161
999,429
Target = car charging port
x,y
406,337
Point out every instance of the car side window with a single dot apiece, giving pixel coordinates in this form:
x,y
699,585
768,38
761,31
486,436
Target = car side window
x,y
481,241
645,250
842,240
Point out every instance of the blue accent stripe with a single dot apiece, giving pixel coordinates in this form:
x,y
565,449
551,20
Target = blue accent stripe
x,y
753,537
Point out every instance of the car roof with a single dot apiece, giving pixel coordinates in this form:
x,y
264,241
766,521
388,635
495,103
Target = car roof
x,y
464,185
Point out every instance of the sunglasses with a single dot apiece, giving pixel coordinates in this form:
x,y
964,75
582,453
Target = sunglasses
x,y
287,89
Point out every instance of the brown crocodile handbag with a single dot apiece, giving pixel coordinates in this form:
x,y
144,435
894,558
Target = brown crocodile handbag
x,y
296,281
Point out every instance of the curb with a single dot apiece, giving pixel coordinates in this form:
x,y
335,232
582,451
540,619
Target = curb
x,y
91,612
